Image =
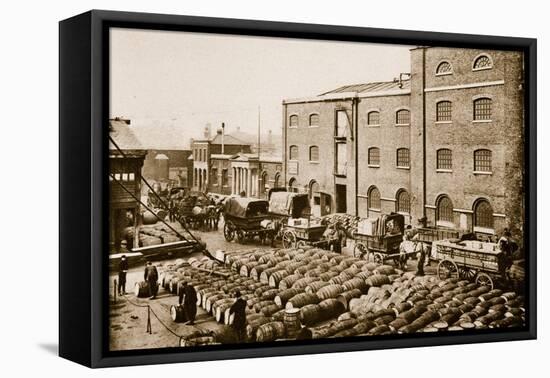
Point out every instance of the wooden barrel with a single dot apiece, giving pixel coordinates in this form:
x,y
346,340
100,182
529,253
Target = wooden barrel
x,y
141,289
270,331
253,324
303,282
259,291
440,325
355,283
330,291
331,308
257,270
284,295
288,281
222,311
246,268
291,268
261,304
220,303
315,286
379,330
364,327
326,276
264,276
310,314
269,310
276,277
339,326
292,322
177,314
377,280
210,300
302,299
269,295
346,296
279,315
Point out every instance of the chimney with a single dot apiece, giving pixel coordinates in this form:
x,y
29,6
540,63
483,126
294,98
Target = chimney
x,y
223,135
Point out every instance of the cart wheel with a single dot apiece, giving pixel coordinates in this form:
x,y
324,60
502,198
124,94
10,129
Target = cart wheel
x,y
241,236
300,244
466,273
289,239
483,279
228,231
360,251
447,269
378,258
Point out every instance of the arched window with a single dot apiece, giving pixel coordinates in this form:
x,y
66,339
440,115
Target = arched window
x,y
444,159
373,118
314,153
292,185
482,62
403,158
314,120
264,182
374,199
403,117
313,188
403,204
293,121
276,180
293,153
482,109
483,214
444,68
444,111
374,156
482,160
444,210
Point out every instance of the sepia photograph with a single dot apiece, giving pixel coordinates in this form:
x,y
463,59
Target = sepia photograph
x,y
266,189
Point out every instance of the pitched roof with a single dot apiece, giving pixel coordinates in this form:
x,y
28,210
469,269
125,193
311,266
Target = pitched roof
x,y
228,139
372,87
123,136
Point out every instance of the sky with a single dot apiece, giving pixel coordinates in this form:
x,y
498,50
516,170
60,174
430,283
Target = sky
x,y
184,80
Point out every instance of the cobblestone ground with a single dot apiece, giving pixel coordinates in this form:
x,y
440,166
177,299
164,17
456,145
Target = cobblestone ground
x,y
128,321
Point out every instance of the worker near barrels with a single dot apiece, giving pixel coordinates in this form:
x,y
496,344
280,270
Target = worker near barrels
x,y
188,300
151,276
122,270
239,321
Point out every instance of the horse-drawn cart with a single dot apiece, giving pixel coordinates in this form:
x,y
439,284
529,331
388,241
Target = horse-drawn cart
x,y
382,242
297,235
244,219
473,260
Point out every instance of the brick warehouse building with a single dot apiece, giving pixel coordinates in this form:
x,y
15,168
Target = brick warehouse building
x,y
444,142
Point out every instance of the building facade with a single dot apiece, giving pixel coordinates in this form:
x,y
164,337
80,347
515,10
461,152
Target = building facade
x,y
442,144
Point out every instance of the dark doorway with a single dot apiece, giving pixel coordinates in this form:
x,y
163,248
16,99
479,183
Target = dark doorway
x,y
341,198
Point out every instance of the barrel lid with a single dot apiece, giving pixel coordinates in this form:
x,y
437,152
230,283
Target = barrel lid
x,y
292,310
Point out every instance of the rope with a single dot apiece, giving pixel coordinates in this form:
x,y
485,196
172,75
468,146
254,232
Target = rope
x,y
156,194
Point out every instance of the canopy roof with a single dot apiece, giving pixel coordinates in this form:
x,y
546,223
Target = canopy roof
x,y
288,203
246,207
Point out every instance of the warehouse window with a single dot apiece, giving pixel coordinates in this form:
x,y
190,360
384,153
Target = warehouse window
x,y
292,185
403,204
403,117
314,153
444,110
214,176
444,159
341,123
374,198
373,118
403,158
445,209
341,159
293,121
276,180
225,178
482,109
483,214
444,68
482,161
374,156
314,120
293,153
482,62
265,182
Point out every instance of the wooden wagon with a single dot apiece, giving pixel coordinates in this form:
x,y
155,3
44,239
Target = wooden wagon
x,y
473,260
383,244
243,219
297,235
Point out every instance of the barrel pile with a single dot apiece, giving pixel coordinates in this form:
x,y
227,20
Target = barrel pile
x,y
151,235
348,222
338,296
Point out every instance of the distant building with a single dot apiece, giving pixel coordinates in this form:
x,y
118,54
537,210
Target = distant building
x,y
124,181
444,143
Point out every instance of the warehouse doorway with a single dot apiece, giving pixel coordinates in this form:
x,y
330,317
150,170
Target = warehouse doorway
x,y
341,198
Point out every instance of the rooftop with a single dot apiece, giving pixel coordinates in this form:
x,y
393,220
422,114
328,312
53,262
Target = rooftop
x,y
122,134
380,86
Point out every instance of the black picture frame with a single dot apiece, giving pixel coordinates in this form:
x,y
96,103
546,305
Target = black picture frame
x,y
83,111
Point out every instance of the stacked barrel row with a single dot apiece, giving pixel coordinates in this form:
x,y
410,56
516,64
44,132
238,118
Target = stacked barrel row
x,y
349,222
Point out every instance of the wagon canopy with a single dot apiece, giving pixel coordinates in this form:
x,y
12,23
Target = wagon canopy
x,y
291,204
246,207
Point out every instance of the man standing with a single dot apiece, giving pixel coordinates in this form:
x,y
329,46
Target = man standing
x,y
239,321
122,270
151,275
188,300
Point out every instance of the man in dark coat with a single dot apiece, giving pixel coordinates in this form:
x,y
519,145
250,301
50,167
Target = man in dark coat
x,y
151,275
188,300
122,270
239,321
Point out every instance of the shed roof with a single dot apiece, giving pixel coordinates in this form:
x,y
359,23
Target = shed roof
x,y
371,87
